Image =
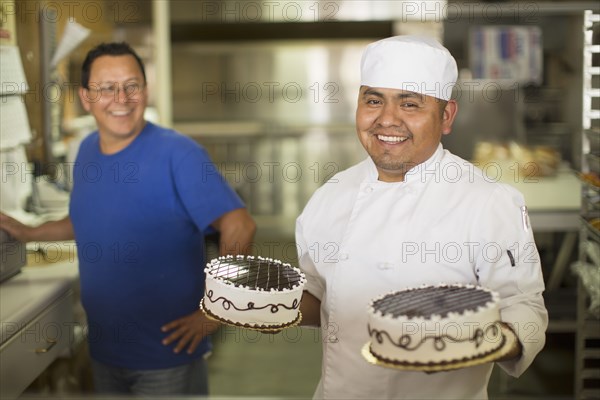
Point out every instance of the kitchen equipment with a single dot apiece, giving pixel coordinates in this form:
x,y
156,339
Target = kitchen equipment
x,y
13,256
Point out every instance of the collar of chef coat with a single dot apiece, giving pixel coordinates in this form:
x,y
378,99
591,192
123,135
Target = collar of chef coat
x,y
419,173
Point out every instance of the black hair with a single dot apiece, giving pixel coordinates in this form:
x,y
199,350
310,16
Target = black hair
x,y
107,49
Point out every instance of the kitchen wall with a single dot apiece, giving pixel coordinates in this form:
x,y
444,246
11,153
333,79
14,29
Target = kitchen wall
x,y
276,116
285,82
273,100
266,85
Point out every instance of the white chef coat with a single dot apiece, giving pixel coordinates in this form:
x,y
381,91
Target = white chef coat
x,y
359,238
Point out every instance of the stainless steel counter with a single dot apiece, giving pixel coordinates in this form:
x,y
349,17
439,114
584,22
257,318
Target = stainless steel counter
x,y
554,202
554,205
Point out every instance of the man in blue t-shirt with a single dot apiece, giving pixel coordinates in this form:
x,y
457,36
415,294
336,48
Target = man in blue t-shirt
x,y
142,197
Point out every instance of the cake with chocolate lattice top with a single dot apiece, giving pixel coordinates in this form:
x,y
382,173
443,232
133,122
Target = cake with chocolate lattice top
x,y
253,291
435,325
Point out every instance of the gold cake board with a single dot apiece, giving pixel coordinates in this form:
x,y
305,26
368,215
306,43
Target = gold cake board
x,y
507,335
261,328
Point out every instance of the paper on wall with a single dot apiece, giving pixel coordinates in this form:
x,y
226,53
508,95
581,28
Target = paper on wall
x,y
72,37
14,123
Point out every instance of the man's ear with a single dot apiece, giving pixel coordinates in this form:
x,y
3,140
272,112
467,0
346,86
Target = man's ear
x,y
84,97
448,116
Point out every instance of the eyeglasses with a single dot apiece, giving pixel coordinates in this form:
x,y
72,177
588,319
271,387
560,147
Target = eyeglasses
x,y
130,89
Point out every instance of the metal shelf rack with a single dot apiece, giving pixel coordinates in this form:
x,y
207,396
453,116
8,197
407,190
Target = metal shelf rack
x,y
587,368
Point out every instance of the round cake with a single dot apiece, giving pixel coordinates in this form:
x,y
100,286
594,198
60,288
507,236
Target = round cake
x,y
434,325
253,291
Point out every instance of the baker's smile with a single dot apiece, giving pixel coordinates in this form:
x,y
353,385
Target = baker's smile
x,y
120,113
392,139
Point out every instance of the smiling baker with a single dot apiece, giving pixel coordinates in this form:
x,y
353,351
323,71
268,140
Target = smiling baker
x,y
413,214
143,196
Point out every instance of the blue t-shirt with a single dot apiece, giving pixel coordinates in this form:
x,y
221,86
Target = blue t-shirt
x,y
138,217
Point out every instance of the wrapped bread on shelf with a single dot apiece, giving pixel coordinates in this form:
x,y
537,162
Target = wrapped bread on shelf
x,y
527,161
591,178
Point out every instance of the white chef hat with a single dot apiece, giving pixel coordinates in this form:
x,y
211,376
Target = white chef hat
x,y
413,63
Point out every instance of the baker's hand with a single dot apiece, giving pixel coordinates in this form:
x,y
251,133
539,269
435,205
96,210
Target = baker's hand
x,y
189,331
516,350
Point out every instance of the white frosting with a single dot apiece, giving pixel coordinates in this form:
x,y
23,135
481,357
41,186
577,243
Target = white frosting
x,y
457,336
251,306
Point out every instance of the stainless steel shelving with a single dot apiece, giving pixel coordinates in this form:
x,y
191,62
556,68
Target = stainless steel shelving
x,y
587,368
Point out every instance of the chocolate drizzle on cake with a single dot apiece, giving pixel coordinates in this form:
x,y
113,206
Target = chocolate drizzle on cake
x,y
435,300
227,304
439,342
256,273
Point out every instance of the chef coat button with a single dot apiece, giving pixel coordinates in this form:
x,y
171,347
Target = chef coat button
x,y
343,256
332,339
368,189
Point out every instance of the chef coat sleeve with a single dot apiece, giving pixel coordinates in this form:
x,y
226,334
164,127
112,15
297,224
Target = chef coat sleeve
x,y
314,282
507,261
